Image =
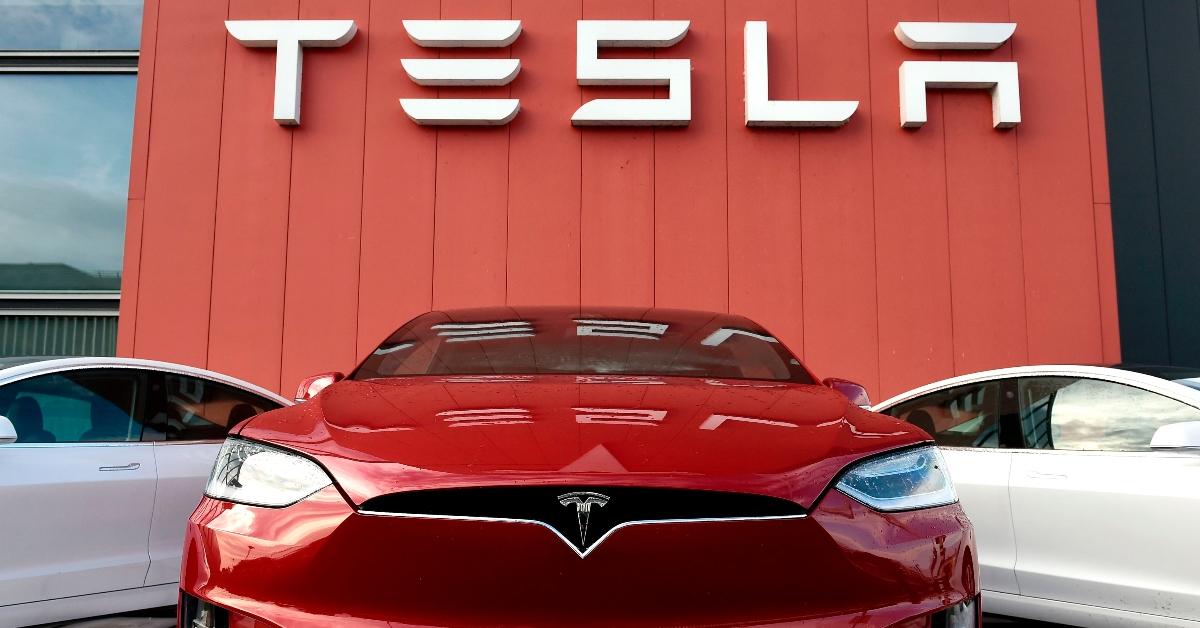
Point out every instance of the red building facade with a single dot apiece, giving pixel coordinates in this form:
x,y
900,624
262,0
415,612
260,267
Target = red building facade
x,y
886,255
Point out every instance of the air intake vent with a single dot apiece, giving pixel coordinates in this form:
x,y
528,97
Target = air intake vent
x,y
582,515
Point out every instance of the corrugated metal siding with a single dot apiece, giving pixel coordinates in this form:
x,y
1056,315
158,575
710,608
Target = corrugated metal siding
x,y
57,335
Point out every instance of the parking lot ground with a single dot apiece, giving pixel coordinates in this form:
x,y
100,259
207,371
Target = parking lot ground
x,y
989,621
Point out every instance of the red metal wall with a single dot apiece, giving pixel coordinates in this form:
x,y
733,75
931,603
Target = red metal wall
x,y
885,255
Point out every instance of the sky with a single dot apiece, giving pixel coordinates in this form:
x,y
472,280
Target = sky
x,y
64,168
70,24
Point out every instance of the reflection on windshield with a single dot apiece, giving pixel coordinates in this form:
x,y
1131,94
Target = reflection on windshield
x,y
620,329
486,416
548,340
620,416
474,332
718,337
639,417
1193,383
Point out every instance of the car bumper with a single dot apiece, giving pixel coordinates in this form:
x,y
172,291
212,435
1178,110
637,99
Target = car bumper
x,y
321,563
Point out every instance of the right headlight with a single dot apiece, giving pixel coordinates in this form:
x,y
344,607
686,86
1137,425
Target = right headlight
x,y
907,480
255,474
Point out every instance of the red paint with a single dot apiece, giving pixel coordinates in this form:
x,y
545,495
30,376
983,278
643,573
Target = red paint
x,y
175,248
861,246
987,286
765,254
912,242
795,463
325,557
250,246
617,214
544,196
399,166
320,316
843,565
470,232
1062,304
837,205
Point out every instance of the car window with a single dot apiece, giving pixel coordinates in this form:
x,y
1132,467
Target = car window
x,y
965,416
80,406
1075,413
183,407
571,341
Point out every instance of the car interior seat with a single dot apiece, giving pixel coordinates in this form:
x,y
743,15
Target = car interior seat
x,y
239,413
26,416
923,420
109,423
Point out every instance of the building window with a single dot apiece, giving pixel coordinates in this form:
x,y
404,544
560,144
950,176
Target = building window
x,y
67,81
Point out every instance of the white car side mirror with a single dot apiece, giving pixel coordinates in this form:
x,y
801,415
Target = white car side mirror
x,y
1177,436
8,433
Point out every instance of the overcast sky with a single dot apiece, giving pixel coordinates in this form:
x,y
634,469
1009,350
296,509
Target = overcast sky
x,y
64,168
70,24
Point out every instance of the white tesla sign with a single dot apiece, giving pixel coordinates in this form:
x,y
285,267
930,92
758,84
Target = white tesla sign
x,y
290,37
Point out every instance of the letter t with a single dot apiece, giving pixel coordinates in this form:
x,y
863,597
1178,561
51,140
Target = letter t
x,y
289,37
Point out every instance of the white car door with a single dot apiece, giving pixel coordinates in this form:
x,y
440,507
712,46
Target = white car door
x,y
965,421
1100,519
76,489
188,419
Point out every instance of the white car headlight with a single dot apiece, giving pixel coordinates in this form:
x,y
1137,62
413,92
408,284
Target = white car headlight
x,y
251,473
910,479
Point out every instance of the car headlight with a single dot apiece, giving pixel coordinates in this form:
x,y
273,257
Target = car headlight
x,y
251,473
907,480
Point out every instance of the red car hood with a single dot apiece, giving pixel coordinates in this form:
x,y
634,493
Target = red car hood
x,y
386,436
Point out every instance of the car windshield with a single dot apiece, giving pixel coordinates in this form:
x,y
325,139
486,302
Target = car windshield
x,y
609,341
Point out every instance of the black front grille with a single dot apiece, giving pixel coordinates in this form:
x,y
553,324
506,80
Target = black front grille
x,y
582,514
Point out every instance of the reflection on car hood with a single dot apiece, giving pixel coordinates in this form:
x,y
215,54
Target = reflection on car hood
x,y
385,436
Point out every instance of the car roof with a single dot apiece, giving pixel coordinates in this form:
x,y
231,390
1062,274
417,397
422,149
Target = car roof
x,y
1125,374
13,369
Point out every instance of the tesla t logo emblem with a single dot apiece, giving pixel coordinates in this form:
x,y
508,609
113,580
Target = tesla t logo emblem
x,y
583,502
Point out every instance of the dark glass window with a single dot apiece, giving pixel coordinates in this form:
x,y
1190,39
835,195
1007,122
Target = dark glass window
x,y
192,408
70,24
75,406
560,340
1094,415
966,416
64,177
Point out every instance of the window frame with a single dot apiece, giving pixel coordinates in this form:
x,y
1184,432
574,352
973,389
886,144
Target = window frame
x,y
76,304
69,61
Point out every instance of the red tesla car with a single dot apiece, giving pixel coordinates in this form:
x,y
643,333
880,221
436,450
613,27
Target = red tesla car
x,y
595,466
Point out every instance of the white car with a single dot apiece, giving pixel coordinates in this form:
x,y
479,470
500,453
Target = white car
x,y
102,460
1083,484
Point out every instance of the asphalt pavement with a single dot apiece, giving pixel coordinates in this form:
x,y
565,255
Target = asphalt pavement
x,y
159,622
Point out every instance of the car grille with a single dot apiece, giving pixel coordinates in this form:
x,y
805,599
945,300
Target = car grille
x,y
582,515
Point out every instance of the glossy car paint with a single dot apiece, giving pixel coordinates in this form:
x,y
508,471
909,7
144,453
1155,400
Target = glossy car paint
x,y
85,541
1086,538
304,565
321,558
393,435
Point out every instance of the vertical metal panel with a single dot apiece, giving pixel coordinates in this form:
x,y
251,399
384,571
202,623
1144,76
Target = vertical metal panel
x,y
1173,52
22,335
662,213
1137,231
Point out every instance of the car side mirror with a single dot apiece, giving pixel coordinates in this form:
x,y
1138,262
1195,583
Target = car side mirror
x,y
8,433
1177,436
311,386
856,393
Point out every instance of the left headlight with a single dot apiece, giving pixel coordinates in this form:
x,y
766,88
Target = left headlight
x,y
251,473
907,480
